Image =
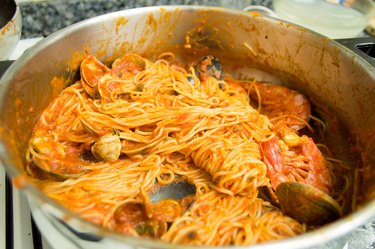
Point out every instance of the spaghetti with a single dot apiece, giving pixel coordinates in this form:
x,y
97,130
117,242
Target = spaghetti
x,y
113,137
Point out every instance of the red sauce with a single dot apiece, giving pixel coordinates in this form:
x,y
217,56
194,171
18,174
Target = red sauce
x,y
19,181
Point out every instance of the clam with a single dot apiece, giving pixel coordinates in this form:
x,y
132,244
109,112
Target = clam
x,y
134,215
307,204
128,65
92,70
168,202
209,66
107,148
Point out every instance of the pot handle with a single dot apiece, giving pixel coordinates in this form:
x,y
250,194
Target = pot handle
x,y
363,46
261,10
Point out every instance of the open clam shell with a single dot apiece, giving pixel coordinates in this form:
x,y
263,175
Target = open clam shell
x,y
307,204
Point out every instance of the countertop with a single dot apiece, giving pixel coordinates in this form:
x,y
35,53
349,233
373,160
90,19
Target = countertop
x,y
41,19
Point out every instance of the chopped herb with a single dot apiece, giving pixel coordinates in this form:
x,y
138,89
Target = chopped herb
x,y
192,235
139,88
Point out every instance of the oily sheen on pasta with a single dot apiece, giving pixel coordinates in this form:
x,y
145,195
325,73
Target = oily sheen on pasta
x,y
121,132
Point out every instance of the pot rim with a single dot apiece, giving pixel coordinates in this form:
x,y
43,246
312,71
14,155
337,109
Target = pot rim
x,y
324,234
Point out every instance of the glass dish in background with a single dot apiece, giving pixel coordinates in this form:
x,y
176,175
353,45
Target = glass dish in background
x,y
335,19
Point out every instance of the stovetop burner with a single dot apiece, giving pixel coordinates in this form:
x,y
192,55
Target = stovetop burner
x,y
3,66
18,230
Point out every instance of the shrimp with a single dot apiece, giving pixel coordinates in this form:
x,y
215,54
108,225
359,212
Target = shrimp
x,y
302,163
288,156
49,159
284,107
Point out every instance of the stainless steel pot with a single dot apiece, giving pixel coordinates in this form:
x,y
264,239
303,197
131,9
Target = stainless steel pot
x,y
10,27
324,70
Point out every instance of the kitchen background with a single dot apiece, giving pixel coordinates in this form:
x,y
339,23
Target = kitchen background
x,y
42,18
